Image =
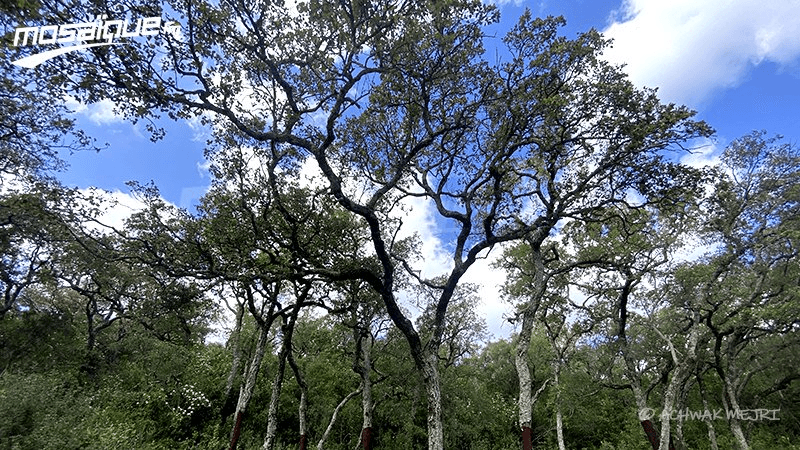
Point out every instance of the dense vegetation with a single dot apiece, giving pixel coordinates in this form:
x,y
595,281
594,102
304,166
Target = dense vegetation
x,y
290,310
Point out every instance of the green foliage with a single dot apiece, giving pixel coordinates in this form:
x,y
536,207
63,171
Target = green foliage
x,y
102,332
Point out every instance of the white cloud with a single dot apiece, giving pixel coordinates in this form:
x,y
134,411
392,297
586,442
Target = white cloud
x,y
704,153
492,307
420,217
116,206
101,113
691,48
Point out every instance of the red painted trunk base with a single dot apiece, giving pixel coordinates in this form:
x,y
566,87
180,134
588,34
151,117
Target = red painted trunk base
x,y
303,440
366,438
650,431
237,429
527,438
653,436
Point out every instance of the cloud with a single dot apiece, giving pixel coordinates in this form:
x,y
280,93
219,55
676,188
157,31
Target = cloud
x,y
704,153
691,48
100,113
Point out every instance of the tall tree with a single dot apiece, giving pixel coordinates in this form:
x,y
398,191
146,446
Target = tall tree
x,y
395,100
748,288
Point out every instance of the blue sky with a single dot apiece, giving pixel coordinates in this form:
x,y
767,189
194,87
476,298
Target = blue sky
x,y
736,62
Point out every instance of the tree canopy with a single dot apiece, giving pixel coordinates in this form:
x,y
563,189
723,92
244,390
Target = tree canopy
x,y
545,152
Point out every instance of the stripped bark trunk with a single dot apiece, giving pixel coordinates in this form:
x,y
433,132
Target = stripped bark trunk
x,y
525,400
362,365
679,377
236,362
246,390
274,401
559,419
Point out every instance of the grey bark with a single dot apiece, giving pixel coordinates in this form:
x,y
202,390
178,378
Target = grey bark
x,y
559,419
525,400
430,374
680,375
236,352
274,401
362,365
712,435
277,385
303,407
247,388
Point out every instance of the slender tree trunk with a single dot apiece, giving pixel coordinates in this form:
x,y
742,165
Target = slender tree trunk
x,y
366,394
246,390
559,420
733,410
525,400
274,401
668,409
524,403
362,365
236,362
712,435
630,365
284,354
679,377
303,408
303,422
334,416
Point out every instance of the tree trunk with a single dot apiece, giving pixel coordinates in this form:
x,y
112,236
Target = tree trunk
x,y
236,351
365,369
680,375
733,411
651,433
303,408
246,390
274,401
527,438
712,435
366,438
525,401
630,365
559,420
668,409
321,443
433,391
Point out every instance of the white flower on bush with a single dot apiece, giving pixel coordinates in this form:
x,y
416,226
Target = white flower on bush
x,y
190,399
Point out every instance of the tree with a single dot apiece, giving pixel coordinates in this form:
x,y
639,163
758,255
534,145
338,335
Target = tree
x,y
395,100
747,289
